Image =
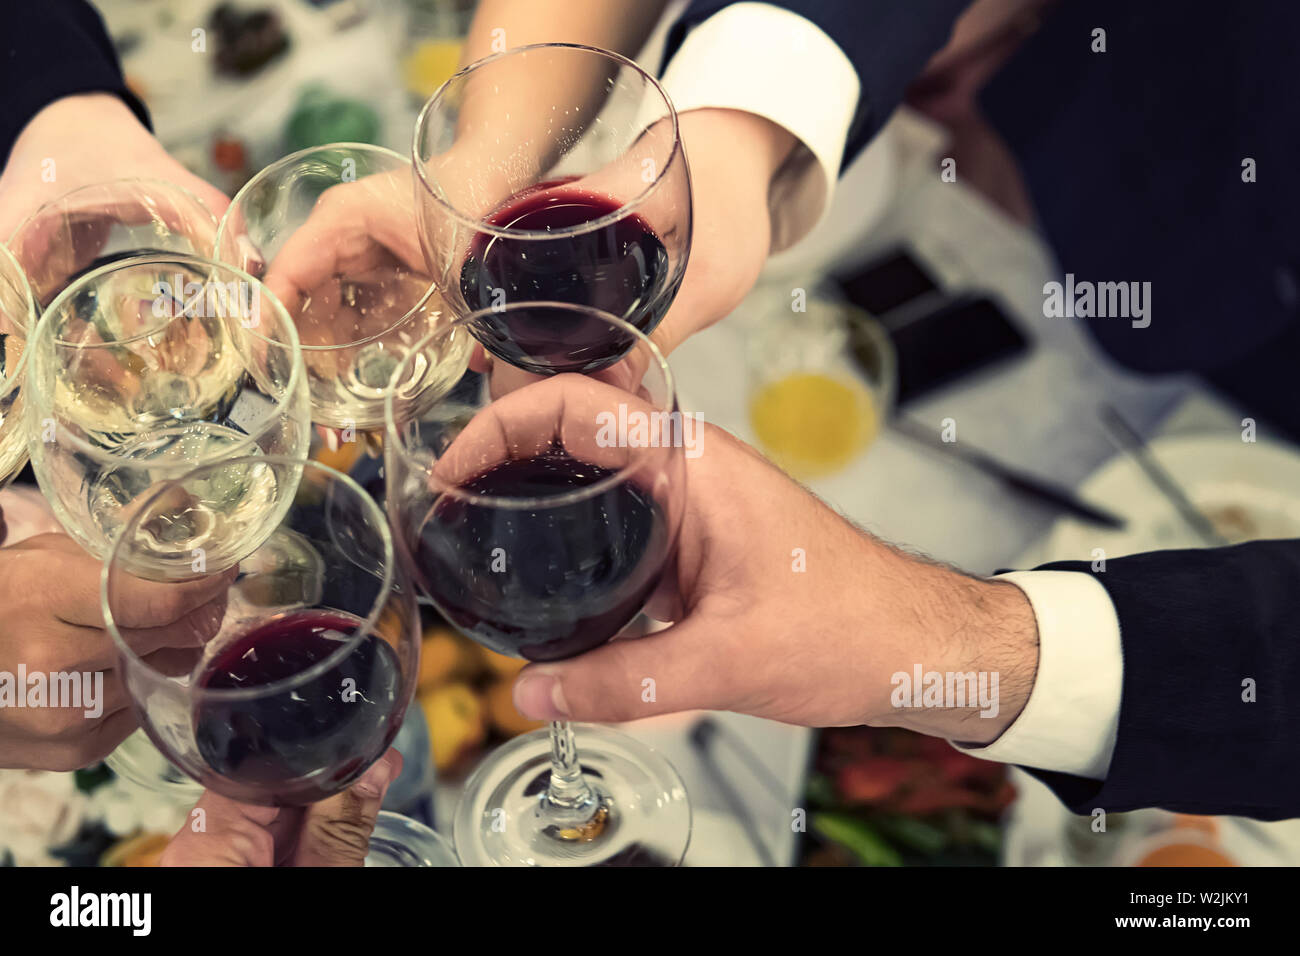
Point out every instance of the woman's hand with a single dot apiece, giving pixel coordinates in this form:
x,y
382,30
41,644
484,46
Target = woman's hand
x,y
734,158
79,141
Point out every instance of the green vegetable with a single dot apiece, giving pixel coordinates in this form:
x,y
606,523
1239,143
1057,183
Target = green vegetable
x,y
857,836
914,834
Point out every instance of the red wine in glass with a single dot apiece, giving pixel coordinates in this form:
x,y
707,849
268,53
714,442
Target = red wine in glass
x,y
306,739
621,268
545,582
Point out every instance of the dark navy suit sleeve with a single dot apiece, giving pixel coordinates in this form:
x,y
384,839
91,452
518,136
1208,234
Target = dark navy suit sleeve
x,y
1209,719
51,49
888,42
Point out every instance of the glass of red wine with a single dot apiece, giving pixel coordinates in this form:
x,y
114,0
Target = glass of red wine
x,y
540,523
294,679
553,172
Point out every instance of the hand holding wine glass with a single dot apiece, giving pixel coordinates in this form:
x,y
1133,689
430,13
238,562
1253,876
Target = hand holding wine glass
x,y
85,179
784,610
580,195
539,523
306,679
334,832
331,232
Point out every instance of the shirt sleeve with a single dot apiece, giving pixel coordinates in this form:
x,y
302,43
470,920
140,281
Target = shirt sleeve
x,y
1070,721
51,49
763,59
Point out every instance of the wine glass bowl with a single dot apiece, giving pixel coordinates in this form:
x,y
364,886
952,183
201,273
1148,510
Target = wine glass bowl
x,y
147,367
302,682
484,491
105,222
583,196
331,232
17,316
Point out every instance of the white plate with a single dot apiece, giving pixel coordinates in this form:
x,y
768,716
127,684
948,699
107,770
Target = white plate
x,y
1251,490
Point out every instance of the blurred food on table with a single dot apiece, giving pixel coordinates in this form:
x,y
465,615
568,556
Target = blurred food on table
x,y
881,796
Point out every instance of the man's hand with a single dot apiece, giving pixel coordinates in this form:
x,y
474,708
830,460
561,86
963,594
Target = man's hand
x,y
334,832
785,610
52,624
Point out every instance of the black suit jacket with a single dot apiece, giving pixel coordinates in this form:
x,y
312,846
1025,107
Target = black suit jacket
x,y
51,49
1210,715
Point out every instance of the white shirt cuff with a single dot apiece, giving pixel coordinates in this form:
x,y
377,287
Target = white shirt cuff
x,y
766,60
1070,719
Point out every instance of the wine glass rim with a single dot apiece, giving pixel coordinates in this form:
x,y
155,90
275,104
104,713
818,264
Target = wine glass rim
x,y
280,403
322,666
393,432
478,223
295,157
11,270
163,184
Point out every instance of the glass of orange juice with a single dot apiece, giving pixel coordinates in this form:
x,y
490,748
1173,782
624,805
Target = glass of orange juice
x,y
821,384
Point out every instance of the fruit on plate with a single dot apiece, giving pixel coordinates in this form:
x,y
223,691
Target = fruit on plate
x,y
341,458
499,664
144,849
444,656
457,723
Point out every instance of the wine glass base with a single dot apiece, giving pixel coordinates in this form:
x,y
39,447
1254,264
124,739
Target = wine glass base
x,y
644,817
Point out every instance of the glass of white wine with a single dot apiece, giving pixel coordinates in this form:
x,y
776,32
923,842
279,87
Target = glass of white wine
x,y
331,231
17,316
147,367
102,223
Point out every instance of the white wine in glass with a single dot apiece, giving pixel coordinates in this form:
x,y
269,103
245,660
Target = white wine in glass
x,y
331,231
145,368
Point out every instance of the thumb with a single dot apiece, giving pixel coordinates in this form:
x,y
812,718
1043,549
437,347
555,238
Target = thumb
x,y
336,832
672,670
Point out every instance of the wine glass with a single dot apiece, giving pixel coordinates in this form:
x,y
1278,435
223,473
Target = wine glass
x,y
17,316
400,841
305,671
331,231
539,523
105,222
147,367
553,172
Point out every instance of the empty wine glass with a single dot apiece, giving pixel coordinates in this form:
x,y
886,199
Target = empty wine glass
x,y
539,523
17,316
553,172
105,222
147,367
331,231
304,669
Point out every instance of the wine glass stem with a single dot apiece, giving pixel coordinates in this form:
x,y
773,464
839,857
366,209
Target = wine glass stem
x,y
569,801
